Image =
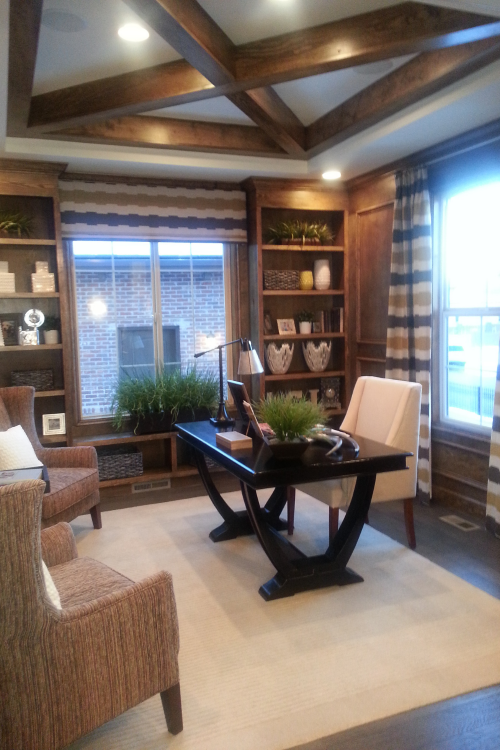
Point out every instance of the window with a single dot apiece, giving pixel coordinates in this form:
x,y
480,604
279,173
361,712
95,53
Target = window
x,y
470,305
143,304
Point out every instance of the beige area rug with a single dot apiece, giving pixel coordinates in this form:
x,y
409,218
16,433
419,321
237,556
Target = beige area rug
x,y
261,675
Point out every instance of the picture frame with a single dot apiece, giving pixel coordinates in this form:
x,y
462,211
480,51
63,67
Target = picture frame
x,y
9,323
54,424
286,326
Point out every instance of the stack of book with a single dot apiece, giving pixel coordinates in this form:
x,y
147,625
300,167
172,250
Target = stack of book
x,y
7,280
42,280
331,321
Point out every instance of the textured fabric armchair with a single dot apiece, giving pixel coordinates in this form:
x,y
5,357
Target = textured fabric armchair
x,y
387,411
73,473
66,671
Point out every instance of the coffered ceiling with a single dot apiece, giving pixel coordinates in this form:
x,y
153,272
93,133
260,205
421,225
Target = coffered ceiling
x,y
226,89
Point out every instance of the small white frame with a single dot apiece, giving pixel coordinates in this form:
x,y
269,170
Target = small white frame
x,y
54,424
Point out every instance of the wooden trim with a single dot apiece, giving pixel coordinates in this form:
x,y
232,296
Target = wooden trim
x,y
24,30
19,165
368,342
366,359
113,179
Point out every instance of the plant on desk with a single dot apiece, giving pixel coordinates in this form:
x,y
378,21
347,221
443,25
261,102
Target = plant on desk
x,y
156,403
291,420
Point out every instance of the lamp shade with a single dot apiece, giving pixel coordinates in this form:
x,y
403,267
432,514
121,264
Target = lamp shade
x,y
249,363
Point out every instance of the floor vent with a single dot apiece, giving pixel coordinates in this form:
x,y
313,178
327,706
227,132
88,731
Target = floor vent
x,y
459,523
161,484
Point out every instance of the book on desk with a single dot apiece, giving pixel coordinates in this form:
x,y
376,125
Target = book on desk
x,y
233,441
11,476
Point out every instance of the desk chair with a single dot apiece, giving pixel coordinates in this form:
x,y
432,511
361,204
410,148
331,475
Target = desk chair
x,y
387,411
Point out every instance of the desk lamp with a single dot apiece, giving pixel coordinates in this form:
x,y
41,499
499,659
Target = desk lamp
x,y
249,364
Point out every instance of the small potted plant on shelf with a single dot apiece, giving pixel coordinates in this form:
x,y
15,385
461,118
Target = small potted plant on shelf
x,y
292,421
305,320
13,222
51,327
156,403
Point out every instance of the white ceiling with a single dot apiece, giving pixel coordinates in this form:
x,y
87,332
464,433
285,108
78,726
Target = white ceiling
x,y
70,57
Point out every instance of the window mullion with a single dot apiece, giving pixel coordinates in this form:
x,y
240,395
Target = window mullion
x,y
157,314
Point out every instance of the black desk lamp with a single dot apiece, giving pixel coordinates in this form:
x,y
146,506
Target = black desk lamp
x,y
249,364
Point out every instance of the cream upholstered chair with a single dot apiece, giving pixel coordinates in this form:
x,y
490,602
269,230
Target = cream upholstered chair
x,y
112,644
387,411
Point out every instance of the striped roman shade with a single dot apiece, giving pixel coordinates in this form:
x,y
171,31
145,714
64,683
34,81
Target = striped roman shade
x,y
91,208
493,497
409,325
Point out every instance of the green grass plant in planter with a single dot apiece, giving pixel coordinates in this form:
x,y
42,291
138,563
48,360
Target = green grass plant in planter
x,y
298,232
12,222
291,420
156,403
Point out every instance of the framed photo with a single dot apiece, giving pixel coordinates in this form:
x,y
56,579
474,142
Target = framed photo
x,y
54,424
9,323
286,326
268,323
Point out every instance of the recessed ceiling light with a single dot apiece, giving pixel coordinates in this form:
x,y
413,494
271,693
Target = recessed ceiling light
x,y
332,174
62,20
132,32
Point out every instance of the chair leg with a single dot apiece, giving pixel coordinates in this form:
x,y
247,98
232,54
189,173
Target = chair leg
x,y
95,514
172,708
290,508
410,527
333,522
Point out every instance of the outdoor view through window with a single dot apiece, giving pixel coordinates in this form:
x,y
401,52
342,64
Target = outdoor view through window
x,y
141,304
471,305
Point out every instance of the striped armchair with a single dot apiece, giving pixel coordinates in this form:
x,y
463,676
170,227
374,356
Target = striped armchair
x,y
73,474
66,671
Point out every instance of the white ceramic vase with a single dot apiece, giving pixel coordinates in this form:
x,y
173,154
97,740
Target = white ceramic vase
x,y
322,274
278,357
317,356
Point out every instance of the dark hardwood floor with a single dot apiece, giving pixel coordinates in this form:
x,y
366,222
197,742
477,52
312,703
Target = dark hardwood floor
x,y
471,721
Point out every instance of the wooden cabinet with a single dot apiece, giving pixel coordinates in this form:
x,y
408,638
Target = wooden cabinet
x,y
270,202
35,195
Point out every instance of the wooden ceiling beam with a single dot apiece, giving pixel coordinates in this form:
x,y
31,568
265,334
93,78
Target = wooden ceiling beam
x,y
193,33
424,75
170,133
379,35
24,31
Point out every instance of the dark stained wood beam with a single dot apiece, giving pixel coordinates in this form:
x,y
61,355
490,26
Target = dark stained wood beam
x,y
421,77
389,32
24,31
170,133
186,26
382,34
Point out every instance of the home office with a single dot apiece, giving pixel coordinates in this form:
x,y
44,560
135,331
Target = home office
x,y
171,193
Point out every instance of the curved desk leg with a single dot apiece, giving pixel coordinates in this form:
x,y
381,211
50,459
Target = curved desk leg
x,y
237,523
295,571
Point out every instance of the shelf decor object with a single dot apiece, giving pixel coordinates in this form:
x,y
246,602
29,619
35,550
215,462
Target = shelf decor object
x,y
7,280
281,280
249,364
40,380
14,222
119,462
306,281
317,355
54,424
330,393
286,326
279,357
322,274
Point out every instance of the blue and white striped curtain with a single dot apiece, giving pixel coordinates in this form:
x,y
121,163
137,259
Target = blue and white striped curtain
x,y
408,354
493,496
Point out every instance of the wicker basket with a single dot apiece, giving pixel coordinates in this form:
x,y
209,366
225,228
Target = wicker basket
x,y
281,279
41,380
119,462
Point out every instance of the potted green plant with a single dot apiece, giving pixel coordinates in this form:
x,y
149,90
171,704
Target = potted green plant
x,y
13,222
156,403
51,327
305,320
291,419
298,233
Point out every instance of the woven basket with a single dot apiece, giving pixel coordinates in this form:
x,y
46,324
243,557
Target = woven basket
x,y
119,462
41,380
281,279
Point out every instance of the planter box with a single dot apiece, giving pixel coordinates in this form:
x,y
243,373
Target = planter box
x,y
163,421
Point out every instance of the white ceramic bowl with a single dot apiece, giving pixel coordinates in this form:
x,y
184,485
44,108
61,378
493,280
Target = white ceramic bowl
x,y
279,357
317,355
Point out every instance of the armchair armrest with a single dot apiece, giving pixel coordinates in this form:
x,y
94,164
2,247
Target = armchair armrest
x,y
83,457
58,544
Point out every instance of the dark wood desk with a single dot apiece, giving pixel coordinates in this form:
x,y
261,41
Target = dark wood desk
x,y
258,469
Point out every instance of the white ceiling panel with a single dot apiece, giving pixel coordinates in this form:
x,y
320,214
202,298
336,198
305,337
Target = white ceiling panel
x,y
310,98
219,109
66,58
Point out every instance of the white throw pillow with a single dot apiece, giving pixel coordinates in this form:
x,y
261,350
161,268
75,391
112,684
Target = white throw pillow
x,y
16,451
52,592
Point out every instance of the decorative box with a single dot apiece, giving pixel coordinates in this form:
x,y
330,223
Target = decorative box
x,y
281,279
7,282
119,462
40,380
43,282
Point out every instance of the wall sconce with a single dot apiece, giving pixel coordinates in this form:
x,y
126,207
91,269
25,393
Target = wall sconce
x,y
249,364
